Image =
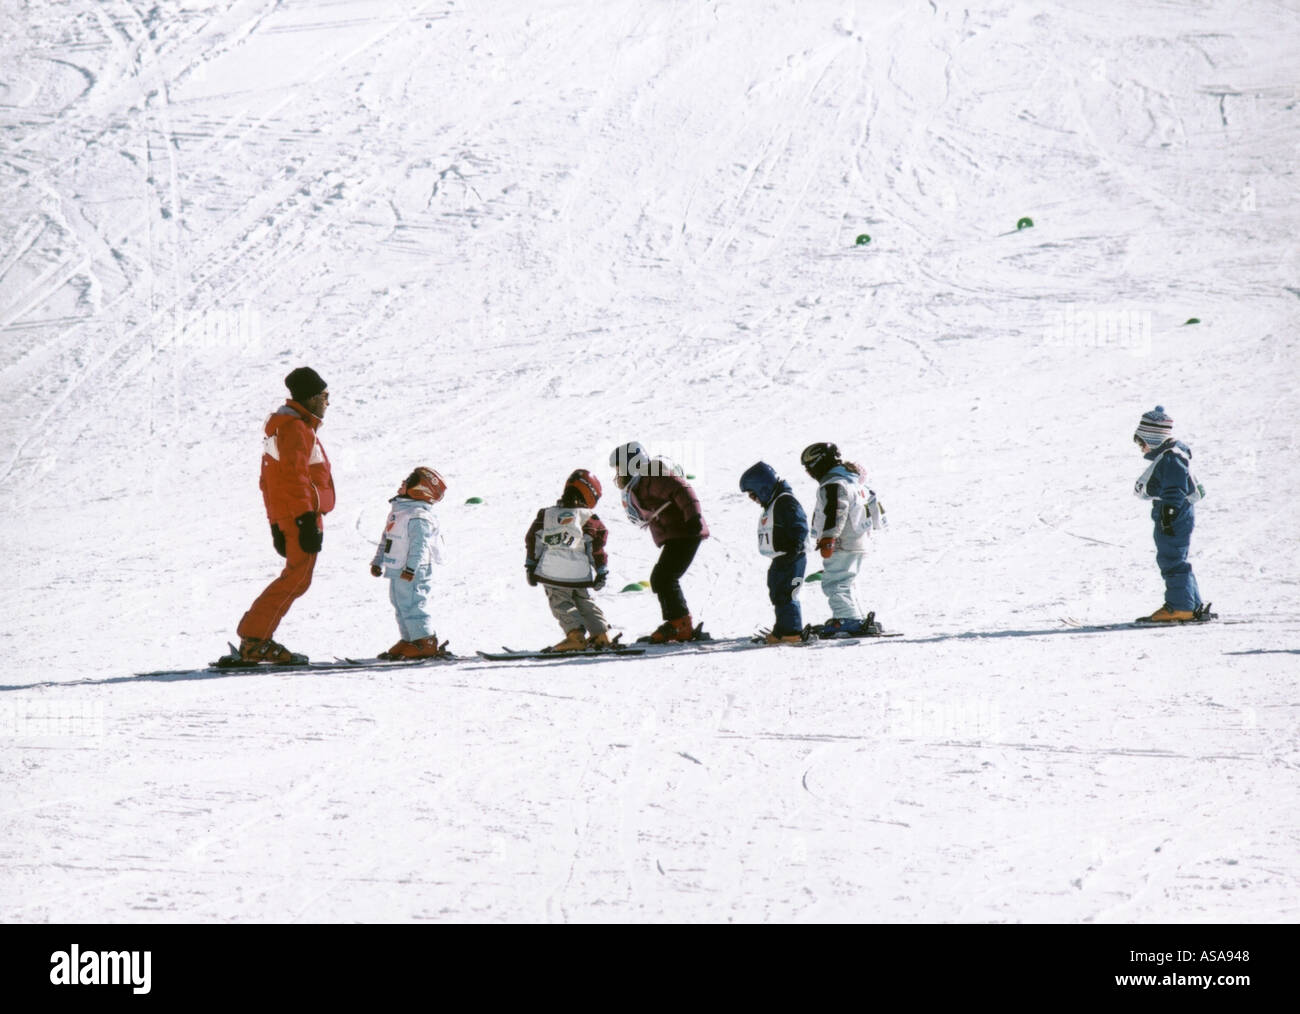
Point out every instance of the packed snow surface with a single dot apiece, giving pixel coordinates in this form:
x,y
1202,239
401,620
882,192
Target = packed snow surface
x,y
512,236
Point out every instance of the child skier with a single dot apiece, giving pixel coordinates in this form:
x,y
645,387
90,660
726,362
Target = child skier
x,y
1172,489
408,549
658,498
782,534
566,553
846,512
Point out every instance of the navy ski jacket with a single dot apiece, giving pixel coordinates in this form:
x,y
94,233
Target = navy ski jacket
x,y
789,523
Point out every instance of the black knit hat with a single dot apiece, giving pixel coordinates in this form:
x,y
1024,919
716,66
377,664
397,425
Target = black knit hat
x,y
304,383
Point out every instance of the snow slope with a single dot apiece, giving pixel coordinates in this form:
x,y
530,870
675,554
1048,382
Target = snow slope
x,y
514,235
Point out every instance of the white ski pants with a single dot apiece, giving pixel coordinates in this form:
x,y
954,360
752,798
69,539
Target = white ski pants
x,y
838,576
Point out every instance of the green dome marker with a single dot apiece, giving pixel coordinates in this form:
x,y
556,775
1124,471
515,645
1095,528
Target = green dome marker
x,y
863,240
813,577
634,586
1191,320
475,499
690,477
1025,223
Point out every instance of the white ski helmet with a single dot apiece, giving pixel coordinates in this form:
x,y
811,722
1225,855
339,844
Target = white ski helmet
x,y
629,460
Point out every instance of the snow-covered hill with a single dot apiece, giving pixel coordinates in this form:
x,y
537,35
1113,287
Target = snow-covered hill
x,y
514,235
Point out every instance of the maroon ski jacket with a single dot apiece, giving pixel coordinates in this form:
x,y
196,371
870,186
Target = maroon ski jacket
x,y
670,506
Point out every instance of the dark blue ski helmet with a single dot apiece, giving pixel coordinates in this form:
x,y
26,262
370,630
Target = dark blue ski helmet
x,y
760,479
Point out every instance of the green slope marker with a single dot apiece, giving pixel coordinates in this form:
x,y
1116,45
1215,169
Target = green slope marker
x,y
1191,320
1025,223
475,499
634,586
863,240
813,577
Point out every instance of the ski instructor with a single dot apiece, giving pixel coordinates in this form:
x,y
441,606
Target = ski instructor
x,y
298,490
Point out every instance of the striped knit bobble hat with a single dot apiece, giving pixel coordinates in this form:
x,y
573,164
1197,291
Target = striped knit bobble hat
x,y
1155,427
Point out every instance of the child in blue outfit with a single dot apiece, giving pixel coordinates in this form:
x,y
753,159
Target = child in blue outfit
x,y
782,534
1172,489
408,549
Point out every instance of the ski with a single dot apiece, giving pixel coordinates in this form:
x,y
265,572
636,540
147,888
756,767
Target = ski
x,y
839,638
399,663
230,664
510,654
1203,615
697,635
698,645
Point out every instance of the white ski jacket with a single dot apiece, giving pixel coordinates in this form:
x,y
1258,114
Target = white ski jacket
x,y
412,539
846,511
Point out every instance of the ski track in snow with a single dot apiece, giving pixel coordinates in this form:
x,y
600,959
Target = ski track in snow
x,y
512,239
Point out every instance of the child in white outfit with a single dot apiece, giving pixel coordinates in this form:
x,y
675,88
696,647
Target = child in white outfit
x,y
408,549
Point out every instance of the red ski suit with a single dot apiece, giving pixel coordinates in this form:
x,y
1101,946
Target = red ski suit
x,y
296,480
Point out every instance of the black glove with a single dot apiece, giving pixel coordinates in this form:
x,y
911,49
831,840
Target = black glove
x,y
695,525
601,577
277,539
532,578
1167,514
310,536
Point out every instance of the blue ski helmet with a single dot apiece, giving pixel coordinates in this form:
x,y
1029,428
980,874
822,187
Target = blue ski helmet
x,y
760,479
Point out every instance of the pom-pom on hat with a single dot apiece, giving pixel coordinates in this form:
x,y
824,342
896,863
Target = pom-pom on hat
x,y
304,383
1155,427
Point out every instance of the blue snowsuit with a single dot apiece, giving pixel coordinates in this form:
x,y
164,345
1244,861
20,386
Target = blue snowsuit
x,y
782,535
1169,485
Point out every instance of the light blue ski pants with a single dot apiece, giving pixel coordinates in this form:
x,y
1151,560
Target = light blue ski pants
x,y
838,576
411,600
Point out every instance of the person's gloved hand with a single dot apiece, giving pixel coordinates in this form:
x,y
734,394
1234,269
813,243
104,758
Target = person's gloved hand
x,y
601,577
1167,514
408,574
826,547
310,536
376,570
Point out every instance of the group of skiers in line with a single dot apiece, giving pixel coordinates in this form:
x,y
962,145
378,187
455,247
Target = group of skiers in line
x,y
565,544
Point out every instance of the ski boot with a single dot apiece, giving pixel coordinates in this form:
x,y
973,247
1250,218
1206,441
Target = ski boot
x,y
599,642
574,640
1167,615
869,627
680,629
428,647
423,647
775,638
263,649
402,649
836,626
